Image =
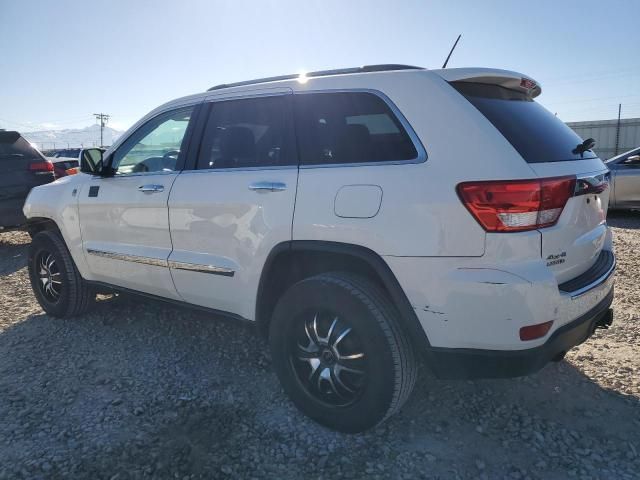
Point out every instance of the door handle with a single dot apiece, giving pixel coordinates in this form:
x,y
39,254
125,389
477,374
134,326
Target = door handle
x,y
151,188
268,186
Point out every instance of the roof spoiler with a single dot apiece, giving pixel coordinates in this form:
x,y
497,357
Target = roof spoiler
x,y
492,76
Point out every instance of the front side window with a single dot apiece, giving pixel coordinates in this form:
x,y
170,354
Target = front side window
x,y
154,147
251,132
349,127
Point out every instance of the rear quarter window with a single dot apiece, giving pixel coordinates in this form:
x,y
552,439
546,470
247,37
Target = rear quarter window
x,y
537,134
349,127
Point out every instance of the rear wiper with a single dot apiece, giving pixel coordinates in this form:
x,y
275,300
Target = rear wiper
x,y
588,144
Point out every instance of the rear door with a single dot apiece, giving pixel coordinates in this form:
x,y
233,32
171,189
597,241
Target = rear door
x,y
21,168
551,149
235,203
124,218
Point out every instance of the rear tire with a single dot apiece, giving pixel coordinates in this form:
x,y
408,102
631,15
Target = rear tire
x,y
58,286
340,353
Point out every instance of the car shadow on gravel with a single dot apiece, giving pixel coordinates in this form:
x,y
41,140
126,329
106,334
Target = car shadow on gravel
x,y
13,255
623,219
139,388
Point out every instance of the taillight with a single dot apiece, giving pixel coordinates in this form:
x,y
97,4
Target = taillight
x,y
40,168
71,171
517,205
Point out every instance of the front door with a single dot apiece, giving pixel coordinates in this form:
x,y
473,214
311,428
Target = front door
x,y
124,218
230,209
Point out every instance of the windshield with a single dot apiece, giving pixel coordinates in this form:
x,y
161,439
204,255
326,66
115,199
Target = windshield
x,y
537,134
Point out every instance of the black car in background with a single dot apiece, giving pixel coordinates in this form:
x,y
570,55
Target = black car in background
x,y
67,153
22,167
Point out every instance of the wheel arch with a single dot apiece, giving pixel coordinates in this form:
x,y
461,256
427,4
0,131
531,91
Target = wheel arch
x,y
289,262
39,224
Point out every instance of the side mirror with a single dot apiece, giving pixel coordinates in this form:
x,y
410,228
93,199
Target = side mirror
x,y
92,161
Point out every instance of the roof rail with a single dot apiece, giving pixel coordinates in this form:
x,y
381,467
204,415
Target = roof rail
x,y
320,73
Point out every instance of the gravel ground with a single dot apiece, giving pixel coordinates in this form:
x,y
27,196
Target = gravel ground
x,y
137,389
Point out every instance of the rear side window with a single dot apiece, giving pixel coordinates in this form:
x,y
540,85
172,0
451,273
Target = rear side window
x,y
537,134
251,132
349,127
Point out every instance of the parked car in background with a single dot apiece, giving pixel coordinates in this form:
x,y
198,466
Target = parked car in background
x,y
625,180
22,167
67,160
64,166
68,153
359,217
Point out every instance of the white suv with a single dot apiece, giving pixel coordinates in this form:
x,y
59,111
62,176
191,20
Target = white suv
x,y
359,217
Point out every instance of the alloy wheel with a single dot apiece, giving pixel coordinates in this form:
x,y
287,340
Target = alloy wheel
x,y
328,359
49,276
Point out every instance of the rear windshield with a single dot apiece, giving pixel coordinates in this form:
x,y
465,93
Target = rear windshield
x,y
537,134
13,146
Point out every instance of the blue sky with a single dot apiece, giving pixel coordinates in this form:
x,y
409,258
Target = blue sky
x,y
61,61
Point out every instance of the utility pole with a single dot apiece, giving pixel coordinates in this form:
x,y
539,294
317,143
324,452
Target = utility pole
x,y
618,130
103,118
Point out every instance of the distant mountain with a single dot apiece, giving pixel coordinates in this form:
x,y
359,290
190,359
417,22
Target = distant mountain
x,y
73,137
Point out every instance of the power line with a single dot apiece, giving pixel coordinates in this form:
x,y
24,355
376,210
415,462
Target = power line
x,y
594,99
590,75
9,122
601,108
35,126
103,118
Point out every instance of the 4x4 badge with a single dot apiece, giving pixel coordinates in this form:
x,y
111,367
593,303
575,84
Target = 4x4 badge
x,y
556,259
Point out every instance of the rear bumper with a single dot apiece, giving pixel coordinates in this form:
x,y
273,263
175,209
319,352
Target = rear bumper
x,y
11,213
13,196
462,363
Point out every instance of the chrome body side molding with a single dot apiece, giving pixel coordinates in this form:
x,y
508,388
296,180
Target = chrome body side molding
x,y
157,262
194,267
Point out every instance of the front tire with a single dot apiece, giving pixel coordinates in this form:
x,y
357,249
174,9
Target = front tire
x,y
56,282
340,353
